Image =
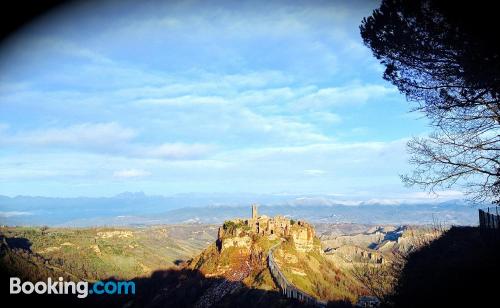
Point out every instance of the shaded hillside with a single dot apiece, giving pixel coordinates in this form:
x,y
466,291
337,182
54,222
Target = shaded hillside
x,y
165,288
175,287
458,269
185,288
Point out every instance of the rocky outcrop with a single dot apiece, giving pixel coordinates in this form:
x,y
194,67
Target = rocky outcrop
x,y
240,232
243,253
357,254
303,237
238,242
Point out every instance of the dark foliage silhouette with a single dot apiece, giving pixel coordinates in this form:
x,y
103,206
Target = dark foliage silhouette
x,y
445,57
456,270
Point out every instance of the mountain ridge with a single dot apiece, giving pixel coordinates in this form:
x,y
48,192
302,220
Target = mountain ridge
x,y
141,209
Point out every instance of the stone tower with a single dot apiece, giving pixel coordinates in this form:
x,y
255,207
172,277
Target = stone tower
x,y
255,214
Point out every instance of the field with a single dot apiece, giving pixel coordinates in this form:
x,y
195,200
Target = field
x,y
100,253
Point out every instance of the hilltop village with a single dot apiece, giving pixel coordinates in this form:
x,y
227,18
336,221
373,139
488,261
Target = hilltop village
x,y
240,232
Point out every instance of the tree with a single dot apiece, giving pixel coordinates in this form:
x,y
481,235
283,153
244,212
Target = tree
x,y
379,279
447,62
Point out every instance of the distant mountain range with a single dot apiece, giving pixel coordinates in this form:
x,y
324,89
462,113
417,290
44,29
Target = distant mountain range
x,y
140,209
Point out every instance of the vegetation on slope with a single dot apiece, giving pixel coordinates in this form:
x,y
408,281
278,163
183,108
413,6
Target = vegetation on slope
x,y
99,253
253,260
313,273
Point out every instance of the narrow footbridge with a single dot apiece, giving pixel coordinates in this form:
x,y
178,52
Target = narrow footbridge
x,y
287,288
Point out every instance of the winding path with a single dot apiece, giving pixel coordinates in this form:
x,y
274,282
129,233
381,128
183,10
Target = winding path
x,y
287,288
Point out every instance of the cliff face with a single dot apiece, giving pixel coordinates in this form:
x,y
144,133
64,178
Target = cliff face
x,y
234,233
351,253
242,248
303,237
238,259
244,242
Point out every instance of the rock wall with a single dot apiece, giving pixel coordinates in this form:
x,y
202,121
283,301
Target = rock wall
x,y
303,237
239,242
352,253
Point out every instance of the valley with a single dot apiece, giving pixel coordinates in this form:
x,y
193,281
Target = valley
x,y
100,253
316,260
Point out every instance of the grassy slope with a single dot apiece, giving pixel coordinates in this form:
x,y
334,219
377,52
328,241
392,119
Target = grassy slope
x,y
316,275
211,262
100,253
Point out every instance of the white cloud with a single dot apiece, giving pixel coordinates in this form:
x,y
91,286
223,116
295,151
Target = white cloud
x,y
344,95
66,47
131,173
246,117
218,93
329,167
268,95
203,97
185,100
314,172
436,196
3,127
107,138
278,128
325,117
9,214
79,135
177,151
357,148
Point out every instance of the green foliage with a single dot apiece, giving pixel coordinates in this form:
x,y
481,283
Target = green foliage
x,y
264,243
97,253
445,57
228,224
231,227
316,275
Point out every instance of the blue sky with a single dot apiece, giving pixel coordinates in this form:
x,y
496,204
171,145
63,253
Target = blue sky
x,y
176,97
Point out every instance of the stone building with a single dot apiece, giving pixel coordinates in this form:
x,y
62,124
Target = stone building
x,y
235,233
303,236
265,225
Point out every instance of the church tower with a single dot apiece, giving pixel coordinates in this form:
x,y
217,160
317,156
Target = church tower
x,y
255,215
